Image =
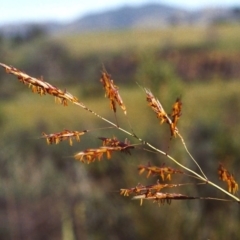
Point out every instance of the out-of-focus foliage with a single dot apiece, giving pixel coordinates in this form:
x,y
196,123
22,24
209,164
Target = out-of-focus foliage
x,y
46,194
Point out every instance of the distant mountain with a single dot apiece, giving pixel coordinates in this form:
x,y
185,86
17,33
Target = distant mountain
x,y
151,16
145,17
23,29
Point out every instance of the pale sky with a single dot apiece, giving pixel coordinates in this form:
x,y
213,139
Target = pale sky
x,y
14,11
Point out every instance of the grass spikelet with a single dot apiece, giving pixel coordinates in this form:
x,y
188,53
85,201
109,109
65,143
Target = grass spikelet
x,y
114,142
111,91
141,189
176,113
162,115
41,87
55,138
90,155
152,192
164,172
134,190
227,177
157,107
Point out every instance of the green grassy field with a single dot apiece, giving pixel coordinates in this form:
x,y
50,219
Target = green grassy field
x,y
228,38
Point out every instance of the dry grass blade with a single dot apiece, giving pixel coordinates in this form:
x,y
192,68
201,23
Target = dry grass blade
x,y
55,138
227,177
112,93
164,172
39,86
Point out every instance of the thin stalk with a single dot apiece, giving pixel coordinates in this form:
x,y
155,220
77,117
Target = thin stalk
x,y
185,146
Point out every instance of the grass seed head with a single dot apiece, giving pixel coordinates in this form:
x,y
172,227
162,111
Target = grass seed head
x,y
163,171
55,138
227,177
111,92
39,86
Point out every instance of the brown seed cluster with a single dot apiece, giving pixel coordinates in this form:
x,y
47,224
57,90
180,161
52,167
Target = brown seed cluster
x,y
41,87
157,107
227,177
162,115
109,145
90,155
152,192
176,113
114,142
111,91
164,172
55,138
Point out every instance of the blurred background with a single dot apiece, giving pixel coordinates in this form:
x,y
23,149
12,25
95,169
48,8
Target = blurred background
x,y
175,48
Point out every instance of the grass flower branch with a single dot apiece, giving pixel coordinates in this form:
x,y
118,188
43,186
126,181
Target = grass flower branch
x,y
112,145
